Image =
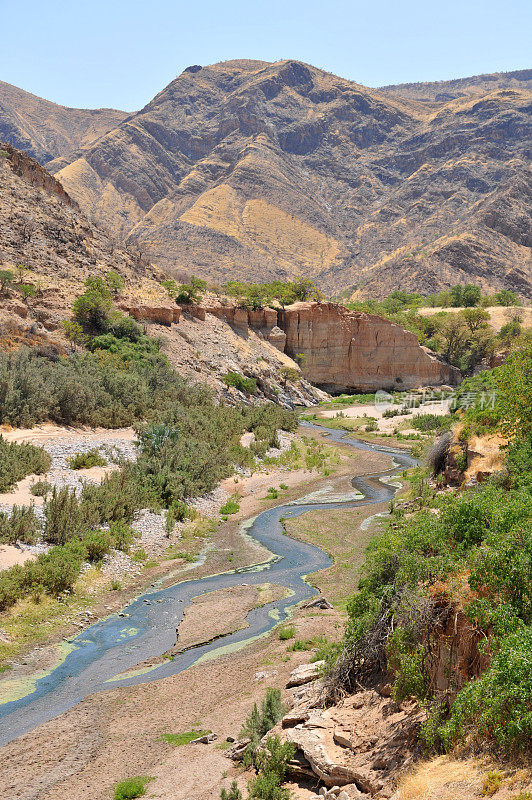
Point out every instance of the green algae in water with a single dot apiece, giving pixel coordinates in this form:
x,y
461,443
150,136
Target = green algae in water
x,y
12,689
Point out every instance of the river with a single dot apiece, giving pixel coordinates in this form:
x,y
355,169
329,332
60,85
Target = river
x,y
146,628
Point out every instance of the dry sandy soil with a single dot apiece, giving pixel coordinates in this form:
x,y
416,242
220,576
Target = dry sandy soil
x,y
385,424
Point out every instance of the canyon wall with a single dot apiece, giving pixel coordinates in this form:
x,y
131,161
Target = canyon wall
x,y
339,350
346,350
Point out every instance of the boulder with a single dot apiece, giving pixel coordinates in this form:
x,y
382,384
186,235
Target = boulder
x,y
236,751
318,602
207,739
357,746
277,338
304,674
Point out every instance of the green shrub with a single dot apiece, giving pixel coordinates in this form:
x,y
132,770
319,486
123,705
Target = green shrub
x,y
97,544
116,498
300,645
246,385
64,518
22,525
178,512
287,632
131,788
6,281
230,507
261,721
190,292
11,586
57,570
19,460
275,756
91,458
121,535
234,792
267,786
41,488
114,281
492,782
93,308
431,422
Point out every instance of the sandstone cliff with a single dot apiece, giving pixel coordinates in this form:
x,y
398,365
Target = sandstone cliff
x,y
339,350
348,350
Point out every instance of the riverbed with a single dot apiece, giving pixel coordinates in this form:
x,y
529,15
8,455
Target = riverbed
x,y
105,655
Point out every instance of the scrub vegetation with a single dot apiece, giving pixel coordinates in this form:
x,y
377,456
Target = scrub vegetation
x,y
469,550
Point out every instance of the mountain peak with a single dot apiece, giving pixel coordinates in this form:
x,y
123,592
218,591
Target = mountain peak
x,y
265,170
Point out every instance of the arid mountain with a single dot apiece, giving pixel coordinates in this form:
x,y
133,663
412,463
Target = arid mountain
x,y
255,170
443,91
45,130
44,229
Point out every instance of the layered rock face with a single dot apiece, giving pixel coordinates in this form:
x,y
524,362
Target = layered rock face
x,y
348,350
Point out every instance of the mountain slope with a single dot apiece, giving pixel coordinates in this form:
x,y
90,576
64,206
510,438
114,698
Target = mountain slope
x,y
443,91
44,229
45,130
255,170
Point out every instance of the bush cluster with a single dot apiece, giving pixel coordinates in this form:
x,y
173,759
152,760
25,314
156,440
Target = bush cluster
x,y
238,381
271,759
480,542
19,460
91,458
464,338
258,295
187,444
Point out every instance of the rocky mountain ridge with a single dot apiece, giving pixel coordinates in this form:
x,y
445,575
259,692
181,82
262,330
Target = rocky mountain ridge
x,y
260,170
46,130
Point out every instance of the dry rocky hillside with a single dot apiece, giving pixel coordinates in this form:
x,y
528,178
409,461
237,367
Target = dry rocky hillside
x,y
270,170
45,130
42,228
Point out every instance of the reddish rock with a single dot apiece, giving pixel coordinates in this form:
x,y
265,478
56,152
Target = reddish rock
x,y
158,314
350,350
18,308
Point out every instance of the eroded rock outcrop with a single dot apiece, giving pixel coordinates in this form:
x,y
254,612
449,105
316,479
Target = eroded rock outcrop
x,y
341,350
346,350
360,744
157,313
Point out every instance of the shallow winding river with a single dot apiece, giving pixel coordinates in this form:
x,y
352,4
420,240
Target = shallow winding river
x,y
146,628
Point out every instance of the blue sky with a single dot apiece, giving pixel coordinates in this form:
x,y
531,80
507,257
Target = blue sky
x,y
120,54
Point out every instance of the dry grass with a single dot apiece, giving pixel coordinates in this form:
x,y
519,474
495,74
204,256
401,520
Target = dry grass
x,y
450,778
443,778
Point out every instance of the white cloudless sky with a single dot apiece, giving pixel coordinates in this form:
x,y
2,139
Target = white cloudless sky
x,y
121,53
